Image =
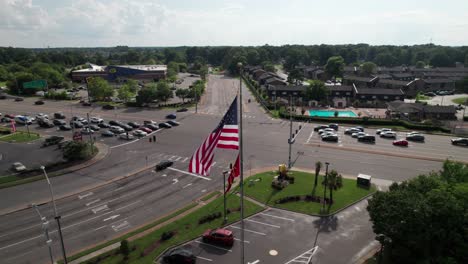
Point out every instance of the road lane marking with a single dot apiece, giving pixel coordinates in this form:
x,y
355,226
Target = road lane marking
x,y
279,217
188,173
118,189
100,208
255,262
175,181
311,134
185,159
128,205
245,241
172,157
178,159
84,221
93,202
199,242
120,226
261,223
207,259
125,144
96,229
186,186
214,163
111,218
251,231
85,195
20,242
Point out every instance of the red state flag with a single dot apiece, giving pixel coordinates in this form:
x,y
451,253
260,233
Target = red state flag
x,y
235,172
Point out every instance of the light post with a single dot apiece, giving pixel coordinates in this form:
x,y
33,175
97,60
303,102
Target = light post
x,y
241,167
45,227
57,217
325,186
224,194
290,132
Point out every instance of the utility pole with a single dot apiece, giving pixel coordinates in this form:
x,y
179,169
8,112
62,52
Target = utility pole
x,y
45,227
325,186
57,217
224,195
290,132
241,167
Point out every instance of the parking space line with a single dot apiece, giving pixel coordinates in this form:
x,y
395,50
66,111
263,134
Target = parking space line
x,y
279,217
261,223
311,134
251,231
245,241
207,259
199,242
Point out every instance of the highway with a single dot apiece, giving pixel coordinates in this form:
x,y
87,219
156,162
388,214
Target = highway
x,y
91,216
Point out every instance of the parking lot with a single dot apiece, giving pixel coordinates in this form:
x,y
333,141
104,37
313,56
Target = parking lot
x,y
278,236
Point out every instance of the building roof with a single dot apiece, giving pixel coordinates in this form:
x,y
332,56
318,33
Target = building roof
x,y
98,68
402,107
440,109
358,78
438,81
383,76
292,88
274,79
391,69
340,88
393,82
378,91
402,75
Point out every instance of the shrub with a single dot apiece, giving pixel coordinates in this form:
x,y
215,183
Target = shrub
x,y
124,249
209,218
167,235
77,150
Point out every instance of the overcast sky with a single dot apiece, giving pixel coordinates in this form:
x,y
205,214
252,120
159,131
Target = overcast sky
x,y
93,23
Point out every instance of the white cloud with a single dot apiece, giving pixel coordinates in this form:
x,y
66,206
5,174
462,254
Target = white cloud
x,y
22,15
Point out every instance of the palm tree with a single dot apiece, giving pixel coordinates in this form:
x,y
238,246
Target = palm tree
x,y
332,183
318,167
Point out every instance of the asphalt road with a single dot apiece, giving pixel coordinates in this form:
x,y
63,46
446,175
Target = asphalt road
x,y
123,205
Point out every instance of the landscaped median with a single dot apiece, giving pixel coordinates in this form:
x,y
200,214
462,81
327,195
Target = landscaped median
x,y
146,248
301,196
19,137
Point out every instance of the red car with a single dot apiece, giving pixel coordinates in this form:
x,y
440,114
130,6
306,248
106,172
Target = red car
x,y
147,130
401,142
219,236
10,116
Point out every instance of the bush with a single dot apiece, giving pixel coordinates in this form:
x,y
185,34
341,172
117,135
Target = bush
x,y
124,249
167,235
209,218
56,96
78,150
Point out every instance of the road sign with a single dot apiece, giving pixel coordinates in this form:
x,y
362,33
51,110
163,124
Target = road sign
x,y
36,84
77,136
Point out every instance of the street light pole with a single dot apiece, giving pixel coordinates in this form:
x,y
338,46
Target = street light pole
x,y
224,193
290,131
57,217
45,227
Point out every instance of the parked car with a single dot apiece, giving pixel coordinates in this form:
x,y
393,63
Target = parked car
x,y
415,137
317,128
108,107
378,131
358,134
145,129
164,125
5,120
87,131
96,120
460,141
388,134
333,138
42,116
59,115
115,123
134,124
350,131
178,256
219,236
107,133
173,123
146,122
164,164
182,110
23,120
321,131
360,128
19,99
46,123
431,94
334,126
117,129
400,142
59,122
152,127
103,125
94,127
65,127
126,127
367,138
171,116
459,107
39,102
139,133
126,136
86,104
76,124
52,140
18,167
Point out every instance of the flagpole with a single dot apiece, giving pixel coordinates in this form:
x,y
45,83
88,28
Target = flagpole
x,y
241,167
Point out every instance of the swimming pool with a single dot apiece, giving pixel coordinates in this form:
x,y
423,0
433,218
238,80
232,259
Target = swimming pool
x,y
326,113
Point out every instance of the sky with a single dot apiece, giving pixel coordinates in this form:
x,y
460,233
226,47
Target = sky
x,y
107,23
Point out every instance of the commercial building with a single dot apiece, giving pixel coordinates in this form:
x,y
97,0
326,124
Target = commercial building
x,y
120,73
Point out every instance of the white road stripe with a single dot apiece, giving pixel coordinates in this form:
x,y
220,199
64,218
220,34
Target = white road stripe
x,y
279,217
85,195
245,241
311,134
127,205
261,223
93,202
125,144
199,242
96,229
186,186
251,231
178,159
192,174
207,259
185,159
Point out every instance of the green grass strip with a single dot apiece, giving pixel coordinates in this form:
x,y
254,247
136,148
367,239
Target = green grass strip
x,y
207,197
20,137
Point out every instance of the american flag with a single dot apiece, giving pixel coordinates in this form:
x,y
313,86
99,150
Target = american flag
x,y
225,136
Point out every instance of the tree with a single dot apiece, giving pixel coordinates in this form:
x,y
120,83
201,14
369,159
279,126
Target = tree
x,y
441,59
124,248
316,91
424,218
332,183
368,67
336,114
78,150
318,167
420,64
125,93
146,94
132,85
99,89
182,94
15,83
295,77
163,92
268,66
335,66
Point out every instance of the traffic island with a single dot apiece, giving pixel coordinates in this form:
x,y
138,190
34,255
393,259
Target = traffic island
x,y
302,195
19,137
148,246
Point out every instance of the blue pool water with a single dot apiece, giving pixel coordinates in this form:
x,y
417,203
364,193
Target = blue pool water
x,y
326,113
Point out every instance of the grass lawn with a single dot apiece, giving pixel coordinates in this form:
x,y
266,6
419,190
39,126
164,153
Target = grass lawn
x,y
303,185
461,100
20,137
186,228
